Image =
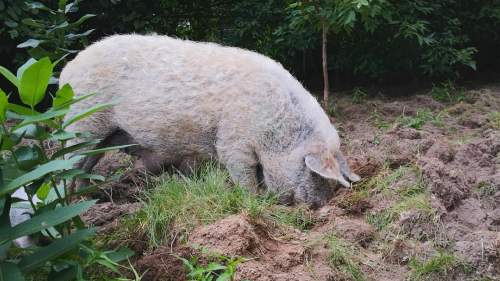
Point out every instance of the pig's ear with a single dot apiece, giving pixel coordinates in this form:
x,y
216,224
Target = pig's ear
x,y
326,167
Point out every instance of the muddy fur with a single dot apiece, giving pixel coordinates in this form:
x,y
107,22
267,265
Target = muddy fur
x,y
184,102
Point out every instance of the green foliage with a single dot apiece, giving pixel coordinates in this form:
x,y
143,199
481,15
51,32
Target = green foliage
x,y
417,121
358,95
45,29
447,92
221,268
50,31
378,39
26,164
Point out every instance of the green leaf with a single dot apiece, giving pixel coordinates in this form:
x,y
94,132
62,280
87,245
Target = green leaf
x,y
67,274
44,221
86,113
34,82
73,148
33,23
31,131
59,60
73,36
120,255
48,115
76,100
23,67
102,150
44,190
54,250
21,109
32,43
39,172
37,6
3,105
4,249
10,76
63,135
62,4
28,157
10,272
64,95
82,20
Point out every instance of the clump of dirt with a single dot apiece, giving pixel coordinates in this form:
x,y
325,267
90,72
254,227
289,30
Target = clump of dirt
x,y
164,263
270,258
234,236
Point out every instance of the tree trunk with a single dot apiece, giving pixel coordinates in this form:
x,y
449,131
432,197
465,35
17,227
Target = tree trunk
x,y
326,86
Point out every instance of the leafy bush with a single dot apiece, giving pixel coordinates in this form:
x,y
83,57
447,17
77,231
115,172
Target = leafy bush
x,y
448,92
44,175
51,32
44,30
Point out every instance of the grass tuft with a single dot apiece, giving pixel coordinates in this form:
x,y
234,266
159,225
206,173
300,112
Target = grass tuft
x,y
175,204
341,258
436,266
494,119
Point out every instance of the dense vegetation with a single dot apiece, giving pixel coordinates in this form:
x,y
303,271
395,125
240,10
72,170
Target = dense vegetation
x,y
368,40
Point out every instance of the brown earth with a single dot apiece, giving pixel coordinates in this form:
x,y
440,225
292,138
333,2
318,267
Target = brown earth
x,y
457,154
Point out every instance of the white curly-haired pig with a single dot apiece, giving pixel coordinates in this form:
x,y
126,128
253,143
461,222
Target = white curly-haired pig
x,y
183,102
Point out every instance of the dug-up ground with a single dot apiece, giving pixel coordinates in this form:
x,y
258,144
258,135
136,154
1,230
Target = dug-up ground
x,y
428,207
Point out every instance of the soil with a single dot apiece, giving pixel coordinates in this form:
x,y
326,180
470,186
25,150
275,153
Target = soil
x,y
458,156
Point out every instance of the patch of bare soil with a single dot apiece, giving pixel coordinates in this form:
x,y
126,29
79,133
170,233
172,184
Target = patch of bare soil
x,y
455,150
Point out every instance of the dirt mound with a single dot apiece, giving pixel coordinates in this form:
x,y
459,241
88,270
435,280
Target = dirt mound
x,y
269,257
234,236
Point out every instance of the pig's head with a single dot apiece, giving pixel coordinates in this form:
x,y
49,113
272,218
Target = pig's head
x,y
310,172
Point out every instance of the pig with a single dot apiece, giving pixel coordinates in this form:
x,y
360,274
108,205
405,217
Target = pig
x,y
184,102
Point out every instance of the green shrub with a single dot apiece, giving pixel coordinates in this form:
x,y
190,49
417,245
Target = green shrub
x,y
447,92
45,176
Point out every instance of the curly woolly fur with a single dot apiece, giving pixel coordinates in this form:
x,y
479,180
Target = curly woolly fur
x,y
184,102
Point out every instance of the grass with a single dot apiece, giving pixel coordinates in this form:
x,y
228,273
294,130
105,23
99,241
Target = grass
x,y
436,266
494,119
419,202
485,190
342,258
378,121
175,204
299,217
385,179
410,197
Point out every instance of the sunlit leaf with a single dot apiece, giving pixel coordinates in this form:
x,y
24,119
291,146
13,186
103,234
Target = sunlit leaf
x,y
34,82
